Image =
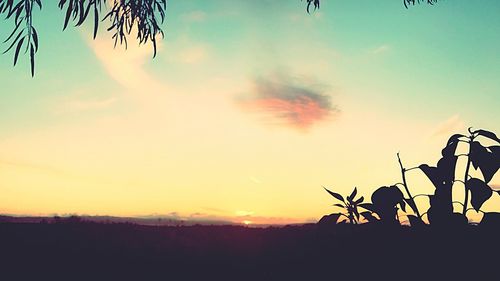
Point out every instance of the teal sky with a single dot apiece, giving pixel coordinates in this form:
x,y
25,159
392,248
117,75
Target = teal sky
x,y
397,79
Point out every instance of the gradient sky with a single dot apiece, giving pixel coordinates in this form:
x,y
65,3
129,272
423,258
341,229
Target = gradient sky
x,y
248,109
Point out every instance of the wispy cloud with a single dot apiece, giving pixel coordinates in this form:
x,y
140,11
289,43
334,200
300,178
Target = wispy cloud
x,y
78,104
193,55
450,126
31,166
380,49
126,66
290,102
194,16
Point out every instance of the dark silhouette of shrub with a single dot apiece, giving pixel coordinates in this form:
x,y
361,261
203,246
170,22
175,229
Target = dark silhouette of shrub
x,y
350,206
486,158
385,201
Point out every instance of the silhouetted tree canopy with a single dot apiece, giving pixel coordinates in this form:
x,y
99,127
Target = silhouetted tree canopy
x,y
143,17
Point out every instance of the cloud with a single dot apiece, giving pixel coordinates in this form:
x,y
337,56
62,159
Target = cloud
x,y
194,16
126,66
289,102
75,105
31,166
448,127
380,49
193,55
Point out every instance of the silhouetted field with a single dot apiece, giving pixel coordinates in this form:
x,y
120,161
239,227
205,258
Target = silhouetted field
x,y
92,251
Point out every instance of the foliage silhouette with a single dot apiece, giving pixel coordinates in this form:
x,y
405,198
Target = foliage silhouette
x,y
350,205
144,17
385,200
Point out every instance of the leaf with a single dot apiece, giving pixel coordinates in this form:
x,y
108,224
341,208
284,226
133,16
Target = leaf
x,y
18,48
369,216
35,38
480,192
432,173
32,60
336,195
451,145
487,162
487,134
443,175
96,20
330,219
339,205
350,198
361,199
68,14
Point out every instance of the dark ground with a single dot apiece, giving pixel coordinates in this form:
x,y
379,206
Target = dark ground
x,y
92,251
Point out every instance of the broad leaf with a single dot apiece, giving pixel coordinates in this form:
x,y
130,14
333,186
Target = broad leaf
x,y
443,175
336,195
480,192
487,134
330,219
487,162
432,173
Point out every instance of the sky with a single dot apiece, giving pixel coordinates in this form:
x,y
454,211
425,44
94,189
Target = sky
x,y
249,108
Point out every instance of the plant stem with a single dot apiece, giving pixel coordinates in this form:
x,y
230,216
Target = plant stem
x,y
403,174
466,188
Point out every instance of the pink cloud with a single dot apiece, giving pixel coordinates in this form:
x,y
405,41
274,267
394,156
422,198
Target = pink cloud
x,y
289,103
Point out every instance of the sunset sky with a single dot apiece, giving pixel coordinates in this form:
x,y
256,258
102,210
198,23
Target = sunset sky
x,y
249,108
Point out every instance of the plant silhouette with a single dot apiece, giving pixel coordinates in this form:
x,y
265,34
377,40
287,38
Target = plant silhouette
x,y
483,154
350,205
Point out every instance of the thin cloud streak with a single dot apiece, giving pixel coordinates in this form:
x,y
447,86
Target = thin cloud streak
x,y
450,126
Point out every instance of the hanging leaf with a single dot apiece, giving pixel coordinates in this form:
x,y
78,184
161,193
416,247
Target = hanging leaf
x,y
336,195
480,192
32,60
487,162
18,49
487,134
309,2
